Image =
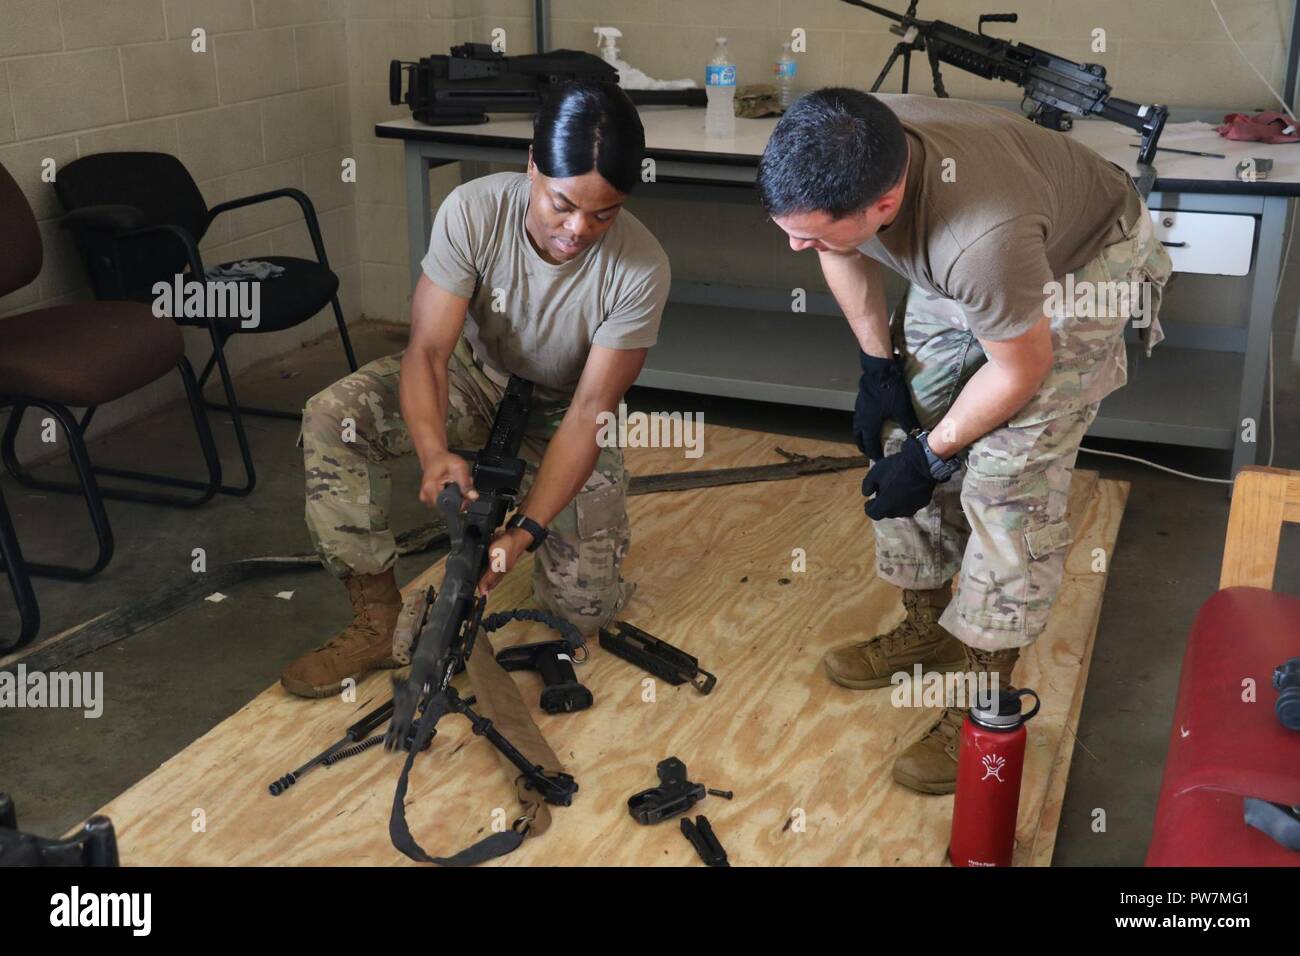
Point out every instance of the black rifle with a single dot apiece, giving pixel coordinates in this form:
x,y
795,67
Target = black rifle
x,y
1055,85
476,80
451,624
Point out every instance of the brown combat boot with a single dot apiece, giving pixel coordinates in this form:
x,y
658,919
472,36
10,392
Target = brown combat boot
x,y
917,640
362,646
930,764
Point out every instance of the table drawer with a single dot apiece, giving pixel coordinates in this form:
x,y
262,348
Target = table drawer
x,y
1206,242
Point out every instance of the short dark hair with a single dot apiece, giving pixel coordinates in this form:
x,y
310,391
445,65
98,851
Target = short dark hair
x,y
583,126
835,151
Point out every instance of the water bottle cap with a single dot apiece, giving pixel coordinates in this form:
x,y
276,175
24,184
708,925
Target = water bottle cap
x,y
1004,712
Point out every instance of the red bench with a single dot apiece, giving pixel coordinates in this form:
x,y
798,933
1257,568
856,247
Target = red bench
x,y
1223,747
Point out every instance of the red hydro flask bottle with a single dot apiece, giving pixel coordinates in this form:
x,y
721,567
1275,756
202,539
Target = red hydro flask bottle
x,y
989,764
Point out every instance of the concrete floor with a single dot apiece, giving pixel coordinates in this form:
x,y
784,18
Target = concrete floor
x,y
167,686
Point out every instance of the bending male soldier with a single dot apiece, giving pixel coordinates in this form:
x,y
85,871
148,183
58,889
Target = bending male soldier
x,y
560,286
987,381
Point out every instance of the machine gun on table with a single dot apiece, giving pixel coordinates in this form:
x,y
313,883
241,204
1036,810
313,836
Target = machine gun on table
x,y
476,80
1059,88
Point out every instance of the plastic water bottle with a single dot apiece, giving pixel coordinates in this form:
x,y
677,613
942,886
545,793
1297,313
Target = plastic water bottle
x,y
720,86
785,71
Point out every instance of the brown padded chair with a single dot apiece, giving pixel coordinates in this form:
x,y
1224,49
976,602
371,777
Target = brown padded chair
x,y
82,355
20,582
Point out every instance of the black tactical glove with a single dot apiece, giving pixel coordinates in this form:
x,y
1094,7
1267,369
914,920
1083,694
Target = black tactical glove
x,y
882,394
902,483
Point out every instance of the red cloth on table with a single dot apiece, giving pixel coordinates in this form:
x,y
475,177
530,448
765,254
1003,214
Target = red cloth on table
x,y
1259,128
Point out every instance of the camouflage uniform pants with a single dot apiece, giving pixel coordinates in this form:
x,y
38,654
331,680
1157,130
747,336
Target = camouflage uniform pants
x,y
576,571
1000,520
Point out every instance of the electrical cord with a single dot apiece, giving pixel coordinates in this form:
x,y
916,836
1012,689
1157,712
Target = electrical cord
x,y
1152,464
1277,291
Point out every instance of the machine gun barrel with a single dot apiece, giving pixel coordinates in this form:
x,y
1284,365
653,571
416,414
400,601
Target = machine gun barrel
x,y
904,19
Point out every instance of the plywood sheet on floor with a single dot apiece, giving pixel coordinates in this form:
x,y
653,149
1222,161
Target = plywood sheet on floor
x,y
808,761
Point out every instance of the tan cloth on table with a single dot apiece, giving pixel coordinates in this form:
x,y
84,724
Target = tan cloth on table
x,y
758,99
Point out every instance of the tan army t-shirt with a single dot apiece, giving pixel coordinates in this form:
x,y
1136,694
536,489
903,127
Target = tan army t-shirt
x,y
533,318
1024,207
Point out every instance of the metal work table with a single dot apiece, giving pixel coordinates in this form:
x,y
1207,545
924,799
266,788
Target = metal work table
x,y
1197,389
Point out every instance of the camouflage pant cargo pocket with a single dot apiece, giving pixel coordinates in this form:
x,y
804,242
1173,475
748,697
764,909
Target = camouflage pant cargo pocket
x,y
1047,547
601,514
1018,604
601,509
1142,261
576,573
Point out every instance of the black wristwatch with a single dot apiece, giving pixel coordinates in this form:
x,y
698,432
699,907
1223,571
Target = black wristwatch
x,y
941,469
521,520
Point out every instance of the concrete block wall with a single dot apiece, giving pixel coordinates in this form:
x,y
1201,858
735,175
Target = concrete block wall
x,y
265,105
380,31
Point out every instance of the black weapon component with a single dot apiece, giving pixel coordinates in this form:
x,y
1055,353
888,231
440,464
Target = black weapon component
x,y
675,794
1286,681
355,749
95,845
356,739
1055,85
563,692
656,656
705,841
476,80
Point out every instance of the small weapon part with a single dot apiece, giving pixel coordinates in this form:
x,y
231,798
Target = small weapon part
x,y
705,841
675,794
656,655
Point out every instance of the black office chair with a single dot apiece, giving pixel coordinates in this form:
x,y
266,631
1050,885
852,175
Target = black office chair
x,y
138,219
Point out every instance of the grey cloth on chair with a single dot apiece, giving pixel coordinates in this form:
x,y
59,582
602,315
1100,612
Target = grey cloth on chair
x,y
245,269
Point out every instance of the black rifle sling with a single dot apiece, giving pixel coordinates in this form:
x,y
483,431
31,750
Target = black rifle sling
x,y
499,700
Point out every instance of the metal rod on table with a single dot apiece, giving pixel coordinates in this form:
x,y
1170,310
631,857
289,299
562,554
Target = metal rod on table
x,y
1185,152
